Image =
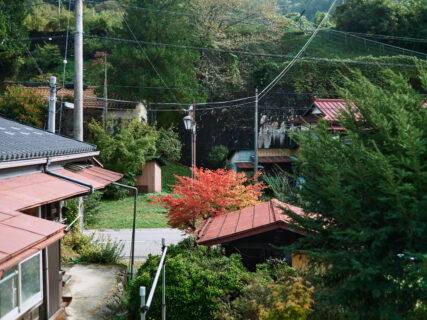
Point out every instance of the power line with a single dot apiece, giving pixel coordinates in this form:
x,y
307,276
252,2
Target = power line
x,y
148,58
290,65
383,36
249,53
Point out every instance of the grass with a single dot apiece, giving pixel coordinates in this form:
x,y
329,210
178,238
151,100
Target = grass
x,y
168,172
118,214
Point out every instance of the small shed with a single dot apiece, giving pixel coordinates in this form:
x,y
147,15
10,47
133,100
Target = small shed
x,y
257,233
149,179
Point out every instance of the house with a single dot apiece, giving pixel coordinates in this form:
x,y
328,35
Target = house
x,y
149,179
327,109
93,105
38,171
257,233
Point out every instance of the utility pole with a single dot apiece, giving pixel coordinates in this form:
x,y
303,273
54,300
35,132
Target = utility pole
x,y
52,105
194,135
78,72
78,87
105,113
256,135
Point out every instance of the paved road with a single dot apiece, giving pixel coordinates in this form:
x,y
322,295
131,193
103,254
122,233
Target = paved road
x,y
146,240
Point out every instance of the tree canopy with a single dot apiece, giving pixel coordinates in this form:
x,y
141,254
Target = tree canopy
x,y
367,193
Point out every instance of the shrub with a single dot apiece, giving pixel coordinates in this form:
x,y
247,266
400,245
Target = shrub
x,y
217,156
168,144
92,207
102,250
70,212
196,277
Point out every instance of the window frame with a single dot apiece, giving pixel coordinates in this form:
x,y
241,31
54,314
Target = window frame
x,y
15,311
37,298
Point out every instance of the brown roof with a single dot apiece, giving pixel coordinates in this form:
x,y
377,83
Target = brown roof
x,y
274,159
22,235
246,222
90,99
244,165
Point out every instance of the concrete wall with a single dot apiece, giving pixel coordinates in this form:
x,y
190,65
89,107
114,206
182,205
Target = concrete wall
x,y
241,156
151,178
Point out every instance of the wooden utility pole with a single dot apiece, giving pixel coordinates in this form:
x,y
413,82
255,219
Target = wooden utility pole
x,y
78,72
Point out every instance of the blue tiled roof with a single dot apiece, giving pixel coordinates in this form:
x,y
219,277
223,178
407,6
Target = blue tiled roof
x,y
21,142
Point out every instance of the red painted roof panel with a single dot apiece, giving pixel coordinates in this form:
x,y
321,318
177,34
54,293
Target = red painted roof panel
x,y
246,222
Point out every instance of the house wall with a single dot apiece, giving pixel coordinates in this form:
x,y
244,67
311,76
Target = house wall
x,y
151,178
241,156
278,152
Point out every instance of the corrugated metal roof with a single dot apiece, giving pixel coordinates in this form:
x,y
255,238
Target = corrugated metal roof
x,y
22,235
331,108
21,142
247,222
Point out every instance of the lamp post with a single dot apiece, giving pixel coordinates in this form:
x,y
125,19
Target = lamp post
x,y
190,124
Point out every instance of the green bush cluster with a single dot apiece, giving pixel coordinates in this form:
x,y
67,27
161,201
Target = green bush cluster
x,y
196,277
217,156
92,207
86,249
203,283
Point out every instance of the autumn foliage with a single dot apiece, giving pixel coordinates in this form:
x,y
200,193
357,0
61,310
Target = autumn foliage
x,y
211,193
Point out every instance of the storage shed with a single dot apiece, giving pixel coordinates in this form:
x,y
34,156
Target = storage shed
x,y
150,178
257,233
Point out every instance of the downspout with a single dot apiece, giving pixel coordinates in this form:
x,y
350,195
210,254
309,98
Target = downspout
x,y
46,170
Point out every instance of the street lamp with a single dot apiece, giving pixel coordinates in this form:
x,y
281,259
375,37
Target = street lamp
x,y
190,125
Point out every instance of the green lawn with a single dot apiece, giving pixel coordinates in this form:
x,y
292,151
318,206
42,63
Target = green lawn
x,y
118,214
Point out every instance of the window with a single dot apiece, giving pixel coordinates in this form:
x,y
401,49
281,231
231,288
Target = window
x,y
21,288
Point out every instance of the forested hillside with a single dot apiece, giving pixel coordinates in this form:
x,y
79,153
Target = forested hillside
x,y
177,51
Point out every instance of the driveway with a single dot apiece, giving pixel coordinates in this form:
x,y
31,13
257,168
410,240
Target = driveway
x,y
146,240
94,289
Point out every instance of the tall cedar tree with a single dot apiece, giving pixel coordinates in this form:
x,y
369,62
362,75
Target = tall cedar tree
x,y
211,193
369,193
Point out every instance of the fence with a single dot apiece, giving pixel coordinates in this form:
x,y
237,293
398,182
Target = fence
x,y
145,306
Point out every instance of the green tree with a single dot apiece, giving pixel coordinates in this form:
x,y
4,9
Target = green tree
x,y
217,156
368,193
22,105
11,27
168,144
126,149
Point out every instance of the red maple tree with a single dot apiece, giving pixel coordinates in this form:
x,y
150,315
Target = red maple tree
x,y
210,193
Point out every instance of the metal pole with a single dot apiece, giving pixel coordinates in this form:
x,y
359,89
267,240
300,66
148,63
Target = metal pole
x,y
135,201
52,105
164,284
142,295
78,72
256,134
105,114
192,153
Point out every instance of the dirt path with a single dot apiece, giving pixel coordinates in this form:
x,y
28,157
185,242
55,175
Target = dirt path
x,y
93,289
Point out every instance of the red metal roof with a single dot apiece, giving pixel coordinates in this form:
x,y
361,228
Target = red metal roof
x,y
274,159
247,222
35,189
97,177
330,108
22,235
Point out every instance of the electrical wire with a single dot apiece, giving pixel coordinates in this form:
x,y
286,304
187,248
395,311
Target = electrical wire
x,y
65,66
148,58
290,65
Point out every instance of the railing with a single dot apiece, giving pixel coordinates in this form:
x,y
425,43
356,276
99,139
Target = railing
x,y
145,306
